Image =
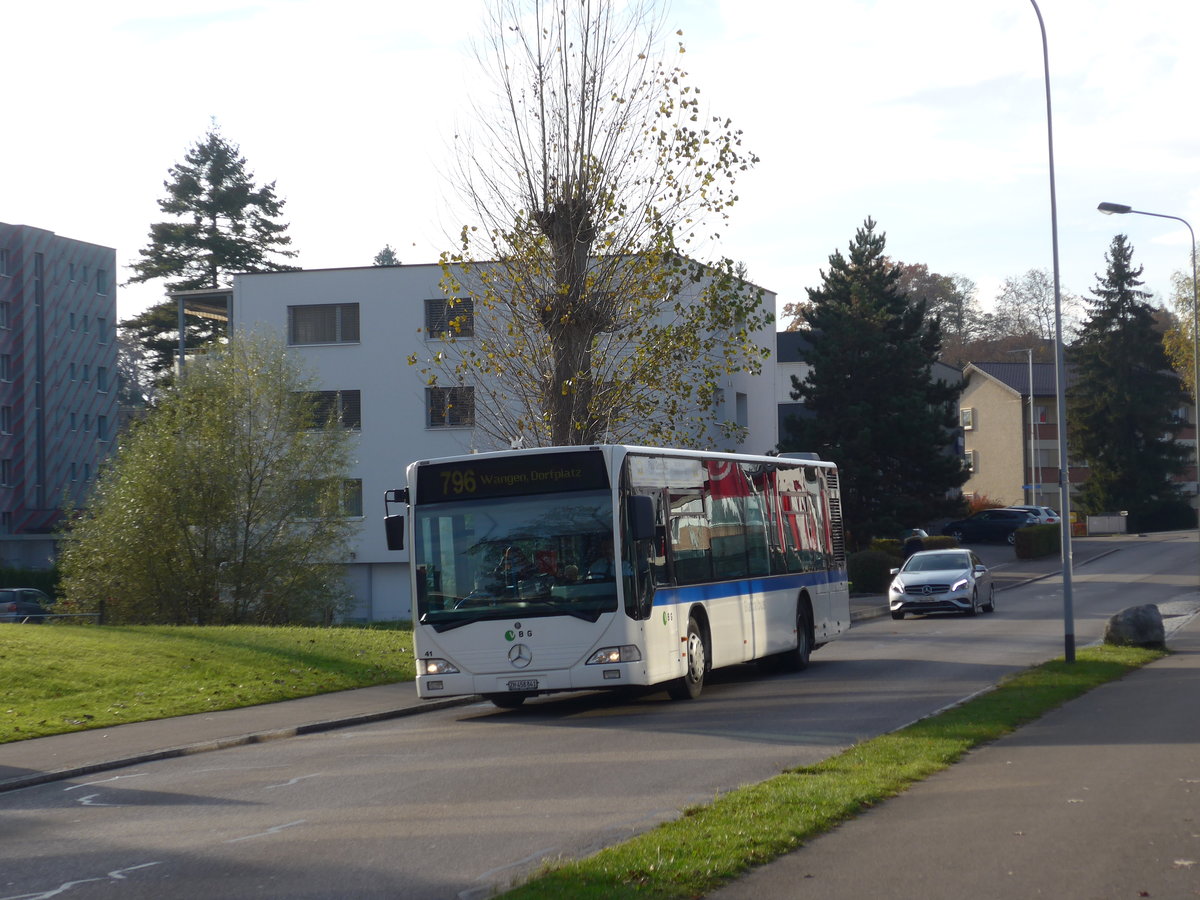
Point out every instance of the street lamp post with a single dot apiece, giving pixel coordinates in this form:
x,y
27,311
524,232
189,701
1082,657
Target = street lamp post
x,y
1060,375
1033,474
1121,209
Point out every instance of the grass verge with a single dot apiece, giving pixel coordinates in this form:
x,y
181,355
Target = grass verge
x,y
712,844
60,678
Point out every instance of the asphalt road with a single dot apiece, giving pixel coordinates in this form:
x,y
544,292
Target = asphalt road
x,y
456,803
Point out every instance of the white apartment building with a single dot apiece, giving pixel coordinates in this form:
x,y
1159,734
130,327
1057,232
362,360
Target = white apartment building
x,y
355,329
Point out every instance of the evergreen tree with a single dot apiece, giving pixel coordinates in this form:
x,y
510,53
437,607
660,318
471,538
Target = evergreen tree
x,y
1122,403
223,223
872,405
152,339
387,257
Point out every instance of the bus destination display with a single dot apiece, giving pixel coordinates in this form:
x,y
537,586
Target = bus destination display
x,y
511,476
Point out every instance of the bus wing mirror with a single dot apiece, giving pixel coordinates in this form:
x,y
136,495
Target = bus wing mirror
x,y
639,512
393,525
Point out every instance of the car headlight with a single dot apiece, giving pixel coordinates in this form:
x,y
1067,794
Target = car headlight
x,y
436,667
960,584
897,587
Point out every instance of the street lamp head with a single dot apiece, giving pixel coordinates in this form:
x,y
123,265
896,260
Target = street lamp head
x,y
1114,209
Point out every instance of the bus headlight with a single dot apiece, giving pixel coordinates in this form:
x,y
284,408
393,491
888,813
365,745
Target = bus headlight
x,y
436,667
608,655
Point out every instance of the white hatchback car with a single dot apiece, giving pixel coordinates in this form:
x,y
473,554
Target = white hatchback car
x,y
1044,514
941,581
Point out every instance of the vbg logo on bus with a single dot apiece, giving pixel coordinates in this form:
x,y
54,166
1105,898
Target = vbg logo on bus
x,y
517,632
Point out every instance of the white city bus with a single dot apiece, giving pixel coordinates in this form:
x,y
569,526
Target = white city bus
x,y
585,568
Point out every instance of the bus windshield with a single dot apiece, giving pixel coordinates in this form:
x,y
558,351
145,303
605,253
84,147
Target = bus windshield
x,y
524,556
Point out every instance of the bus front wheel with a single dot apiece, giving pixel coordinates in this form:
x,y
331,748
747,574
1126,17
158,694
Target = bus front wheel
x,y
507,701
692,683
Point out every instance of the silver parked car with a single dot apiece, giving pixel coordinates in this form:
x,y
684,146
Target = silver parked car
x,y
1043,514
941,581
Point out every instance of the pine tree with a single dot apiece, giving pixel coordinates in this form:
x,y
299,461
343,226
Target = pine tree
x,y
872,405
387,257
1122,403
223,223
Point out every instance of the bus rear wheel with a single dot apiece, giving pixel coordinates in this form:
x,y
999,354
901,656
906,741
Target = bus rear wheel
x,y
692,683
797,660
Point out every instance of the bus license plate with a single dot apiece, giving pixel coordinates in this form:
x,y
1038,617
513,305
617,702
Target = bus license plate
x,y
526,684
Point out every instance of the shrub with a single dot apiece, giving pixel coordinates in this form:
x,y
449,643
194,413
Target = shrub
x,y
870,571
1166,515
890,546
939,542
1035,541
983,501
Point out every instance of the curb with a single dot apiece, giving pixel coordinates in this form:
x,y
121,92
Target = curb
x,y
256,737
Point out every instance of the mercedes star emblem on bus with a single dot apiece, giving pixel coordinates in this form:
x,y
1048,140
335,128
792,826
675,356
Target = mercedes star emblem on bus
x,y
519,656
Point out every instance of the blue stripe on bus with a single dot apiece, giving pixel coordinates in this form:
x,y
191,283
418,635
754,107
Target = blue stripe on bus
x,y
697,593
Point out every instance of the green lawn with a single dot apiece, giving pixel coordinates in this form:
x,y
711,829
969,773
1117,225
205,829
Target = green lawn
x,y
59,678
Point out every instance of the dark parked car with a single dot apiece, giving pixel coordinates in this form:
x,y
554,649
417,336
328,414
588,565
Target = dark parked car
x,y
23,605
990,525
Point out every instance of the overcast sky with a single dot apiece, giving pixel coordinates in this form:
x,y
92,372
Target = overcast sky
x,y
927,115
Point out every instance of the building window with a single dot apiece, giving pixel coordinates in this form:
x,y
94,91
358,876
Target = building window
x,y
966,418
1039,415
5,367
6,522
87,422
71,272
449,318
341,407
102,379
316,498
450,407
101,281
85,324
74,422
71,320
102,331
971,461
3,261
352,506
87,374
102,428
73,473
4,307
323,323
5,420
6,472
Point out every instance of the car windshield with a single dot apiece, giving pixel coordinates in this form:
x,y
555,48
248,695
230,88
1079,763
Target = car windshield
x,y
937,561
533,556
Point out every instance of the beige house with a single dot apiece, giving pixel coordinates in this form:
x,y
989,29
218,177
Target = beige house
x,y
1010,435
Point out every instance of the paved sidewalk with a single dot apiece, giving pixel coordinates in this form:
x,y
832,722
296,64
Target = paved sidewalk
x,y
1098,799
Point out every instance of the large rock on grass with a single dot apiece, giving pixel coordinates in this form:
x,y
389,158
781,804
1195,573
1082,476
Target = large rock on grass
x,y
1136,626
